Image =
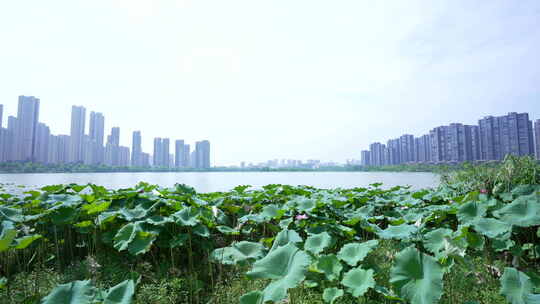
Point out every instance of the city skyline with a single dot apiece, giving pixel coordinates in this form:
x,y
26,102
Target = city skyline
x,y
491,139
27,139
162,67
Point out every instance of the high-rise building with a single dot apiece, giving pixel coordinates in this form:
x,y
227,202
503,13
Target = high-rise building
x,y
123,157
63,148
205,154
489,138
90,151
97,136
459,143
112,149
179,154
52,153
145,160
365,159
187,156
41,149
423,149
393,151
503,135
25,134
115,136
385,155
165,158
537,137
3,135
376,154
11,144
136,150
193,158
476,146
407,148
78,121
158,152
438,139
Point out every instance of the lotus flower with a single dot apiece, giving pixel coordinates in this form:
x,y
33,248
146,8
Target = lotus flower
x,y
301,217
483,191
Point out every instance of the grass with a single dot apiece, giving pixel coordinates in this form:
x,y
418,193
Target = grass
x,y
495,178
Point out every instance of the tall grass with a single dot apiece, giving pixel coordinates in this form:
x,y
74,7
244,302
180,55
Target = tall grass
x,y
493,178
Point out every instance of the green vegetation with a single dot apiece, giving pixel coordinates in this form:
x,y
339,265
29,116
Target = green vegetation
x,y
475,239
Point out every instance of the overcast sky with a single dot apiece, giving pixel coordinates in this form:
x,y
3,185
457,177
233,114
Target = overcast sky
x,y
268,79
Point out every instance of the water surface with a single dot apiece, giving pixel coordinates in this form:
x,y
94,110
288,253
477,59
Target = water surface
x,y
224,181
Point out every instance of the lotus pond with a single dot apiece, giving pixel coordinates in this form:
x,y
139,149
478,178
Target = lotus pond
x,y
280,244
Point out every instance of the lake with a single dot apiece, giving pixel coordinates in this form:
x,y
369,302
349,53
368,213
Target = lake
x,y
224,181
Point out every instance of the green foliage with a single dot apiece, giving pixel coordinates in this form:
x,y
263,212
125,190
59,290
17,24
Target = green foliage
x,y
239,253
78,292
517,287
417,277
358,281
285,266
330,295
297,244
318,243
355,252
330,266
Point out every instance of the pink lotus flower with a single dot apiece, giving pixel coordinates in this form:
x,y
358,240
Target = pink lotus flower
x,y
301,217
483,191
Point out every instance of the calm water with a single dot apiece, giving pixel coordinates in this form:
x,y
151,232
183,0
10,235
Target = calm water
x,y
223,181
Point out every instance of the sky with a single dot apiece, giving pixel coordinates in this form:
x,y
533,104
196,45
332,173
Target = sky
x,y
302,79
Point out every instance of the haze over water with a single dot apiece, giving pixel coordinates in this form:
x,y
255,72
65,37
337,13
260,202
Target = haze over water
x,y
224,181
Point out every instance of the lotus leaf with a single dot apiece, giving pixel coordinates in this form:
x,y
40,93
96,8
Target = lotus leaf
x,y
470,212
7,235
136,237
305,204
78,292
26,241
434,240
96,207
318,243
417,277
254,297
517,287
272,211
201,230
227,230
353,253
523,211
238,253
187,217
64,215
330,295
285,237
121,293
401,232
11,214
286,267
330,266
358,281
492,228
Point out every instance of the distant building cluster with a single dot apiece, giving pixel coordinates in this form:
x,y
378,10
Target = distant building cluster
x,y
492,139
289,164
27,140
